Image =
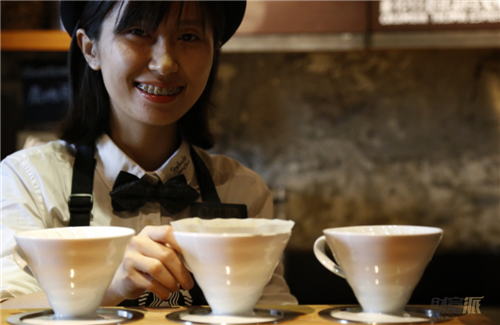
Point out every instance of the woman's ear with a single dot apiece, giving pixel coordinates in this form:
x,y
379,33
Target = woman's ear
x,y
89,49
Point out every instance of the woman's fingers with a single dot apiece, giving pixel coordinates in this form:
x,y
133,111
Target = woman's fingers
x,y
154,286
131,283
150,263
159,243
161,234
157,270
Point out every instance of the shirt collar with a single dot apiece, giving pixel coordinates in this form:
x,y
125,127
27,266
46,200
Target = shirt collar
x,y
111,160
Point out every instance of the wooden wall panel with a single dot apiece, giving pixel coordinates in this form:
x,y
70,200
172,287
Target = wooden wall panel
x,y
305,17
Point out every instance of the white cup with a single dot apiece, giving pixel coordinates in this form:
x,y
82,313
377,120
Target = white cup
x,y
232,259
74,266
382,264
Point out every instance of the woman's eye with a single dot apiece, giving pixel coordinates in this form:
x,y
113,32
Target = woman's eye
x,y
138,32
189,37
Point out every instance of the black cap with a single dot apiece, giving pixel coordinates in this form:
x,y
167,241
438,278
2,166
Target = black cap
x,y
234,10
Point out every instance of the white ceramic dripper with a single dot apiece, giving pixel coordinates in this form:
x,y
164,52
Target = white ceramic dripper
x,y
232,259
74,266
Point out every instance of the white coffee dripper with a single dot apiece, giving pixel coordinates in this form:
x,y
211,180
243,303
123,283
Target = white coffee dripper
x,y
382,264
232,259
74,266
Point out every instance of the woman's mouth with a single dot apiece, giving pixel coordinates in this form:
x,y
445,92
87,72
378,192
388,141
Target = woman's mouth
x,y
160,95
159,91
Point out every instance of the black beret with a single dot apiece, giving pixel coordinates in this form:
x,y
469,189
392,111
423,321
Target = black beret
x,y
234,10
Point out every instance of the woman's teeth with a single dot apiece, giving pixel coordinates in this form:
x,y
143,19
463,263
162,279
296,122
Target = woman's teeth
x,y
158,90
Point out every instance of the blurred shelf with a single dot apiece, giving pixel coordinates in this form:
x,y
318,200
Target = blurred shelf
x,y
435,39
457,39
58,40
295,42
35,40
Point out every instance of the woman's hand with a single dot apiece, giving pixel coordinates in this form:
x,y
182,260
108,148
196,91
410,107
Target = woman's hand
x,y
150,263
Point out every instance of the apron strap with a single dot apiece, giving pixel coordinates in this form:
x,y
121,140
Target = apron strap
x,y
81,201
211,207
207,186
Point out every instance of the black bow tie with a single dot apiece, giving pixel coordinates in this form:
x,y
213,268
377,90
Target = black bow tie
x,y
131,193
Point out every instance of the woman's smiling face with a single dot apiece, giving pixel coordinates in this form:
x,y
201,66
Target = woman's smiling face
x,y
153,77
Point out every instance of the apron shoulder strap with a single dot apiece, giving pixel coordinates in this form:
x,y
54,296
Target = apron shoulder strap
x,y
207,186
211,207
81,201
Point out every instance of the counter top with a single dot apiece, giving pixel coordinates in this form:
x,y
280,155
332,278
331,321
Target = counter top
x,y
310,317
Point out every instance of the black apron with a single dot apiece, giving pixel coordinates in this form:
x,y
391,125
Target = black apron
x,y
81,201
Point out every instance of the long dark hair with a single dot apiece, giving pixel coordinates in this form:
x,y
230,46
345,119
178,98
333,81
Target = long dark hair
x,y
89,110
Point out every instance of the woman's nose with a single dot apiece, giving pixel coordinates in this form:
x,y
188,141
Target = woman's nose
x,y
163,59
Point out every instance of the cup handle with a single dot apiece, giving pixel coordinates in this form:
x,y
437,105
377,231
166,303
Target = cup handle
x,y
20,260
319,251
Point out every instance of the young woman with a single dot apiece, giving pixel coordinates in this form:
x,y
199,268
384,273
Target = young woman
x,y
141,74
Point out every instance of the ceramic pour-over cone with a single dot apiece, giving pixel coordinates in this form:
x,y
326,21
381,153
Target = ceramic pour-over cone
x,y
382,264
232,259
74,266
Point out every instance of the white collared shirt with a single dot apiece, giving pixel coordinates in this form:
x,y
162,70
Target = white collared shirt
x,y
36,185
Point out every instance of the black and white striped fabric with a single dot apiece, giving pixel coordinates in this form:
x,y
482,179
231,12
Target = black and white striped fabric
x,y
179,298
